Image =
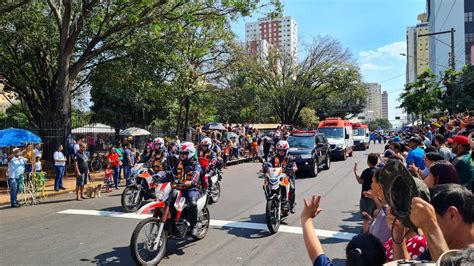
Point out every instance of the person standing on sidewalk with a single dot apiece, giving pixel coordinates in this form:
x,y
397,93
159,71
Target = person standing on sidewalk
x,y
59,166
81,168
119,150
16,167
128,162
114,161
366,205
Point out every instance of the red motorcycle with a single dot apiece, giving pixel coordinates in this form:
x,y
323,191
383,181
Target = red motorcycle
x,y
170,220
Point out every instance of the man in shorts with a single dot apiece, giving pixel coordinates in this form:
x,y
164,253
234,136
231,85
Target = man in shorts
x,y
367,205
81,168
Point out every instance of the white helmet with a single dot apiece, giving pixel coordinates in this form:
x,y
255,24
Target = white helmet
x,y
206,142
160,141
282,145
187,147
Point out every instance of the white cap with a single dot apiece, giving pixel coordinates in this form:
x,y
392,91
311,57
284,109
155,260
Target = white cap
x,y
16,149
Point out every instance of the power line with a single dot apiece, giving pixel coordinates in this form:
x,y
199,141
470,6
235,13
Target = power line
x,y
449,45
449,13
392,78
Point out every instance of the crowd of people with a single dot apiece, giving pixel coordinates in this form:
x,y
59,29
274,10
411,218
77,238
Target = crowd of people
x,y
438,160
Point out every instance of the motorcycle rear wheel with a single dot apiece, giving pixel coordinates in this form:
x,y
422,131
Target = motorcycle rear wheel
x,y
204,219
215,192
271,215
127,197
150,225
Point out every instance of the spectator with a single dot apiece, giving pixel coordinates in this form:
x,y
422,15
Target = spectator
x,y
30,156
447,222
60,167
396,148
439,142
367,205
119,150
70,147
177,141
38,167
429,159
114,161
441,172
109,178
91,144
463,163
363,249
227,152
267,145
16,168
146,155
235,148
128,162
415,155
77,145
37,150
81,168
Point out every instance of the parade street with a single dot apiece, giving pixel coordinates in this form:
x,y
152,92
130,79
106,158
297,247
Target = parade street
x,y
64,231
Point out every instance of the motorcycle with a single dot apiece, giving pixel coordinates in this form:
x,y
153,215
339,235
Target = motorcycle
x,y
214,182
169,220
276,186
142,187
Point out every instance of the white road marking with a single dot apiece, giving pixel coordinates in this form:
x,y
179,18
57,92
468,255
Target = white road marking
x,y
216,223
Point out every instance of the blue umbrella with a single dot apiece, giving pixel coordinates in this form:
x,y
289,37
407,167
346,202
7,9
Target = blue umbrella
x,y
17,137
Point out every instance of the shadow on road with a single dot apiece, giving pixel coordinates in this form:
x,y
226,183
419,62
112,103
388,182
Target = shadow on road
x,y
248,233
113,209
118,256
56,201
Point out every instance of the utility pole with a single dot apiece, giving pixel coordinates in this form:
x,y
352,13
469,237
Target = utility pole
x,y
452,61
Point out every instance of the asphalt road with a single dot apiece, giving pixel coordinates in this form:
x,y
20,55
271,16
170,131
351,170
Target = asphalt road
x,y
34,235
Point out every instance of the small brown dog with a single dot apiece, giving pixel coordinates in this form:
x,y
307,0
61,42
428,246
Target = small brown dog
x,y
94,192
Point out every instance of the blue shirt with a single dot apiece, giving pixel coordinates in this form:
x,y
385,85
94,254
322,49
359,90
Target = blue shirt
x,y
16,167
322,260
416,157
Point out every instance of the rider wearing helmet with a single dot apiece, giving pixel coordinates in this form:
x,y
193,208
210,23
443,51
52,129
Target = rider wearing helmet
x,y
159,154
188,171
208,160
281,159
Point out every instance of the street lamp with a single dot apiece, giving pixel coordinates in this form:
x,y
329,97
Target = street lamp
x,y
428,61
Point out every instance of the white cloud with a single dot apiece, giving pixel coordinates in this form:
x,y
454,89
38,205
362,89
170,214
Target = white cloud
x,y
391,50
370,66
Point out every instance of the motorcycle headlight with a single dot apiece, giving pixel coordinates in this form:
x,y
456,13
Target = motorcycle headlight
x,y
305,156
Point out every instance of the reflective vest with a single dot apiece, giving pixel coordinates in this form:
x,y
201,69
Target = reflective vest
x,y
182,177
277,162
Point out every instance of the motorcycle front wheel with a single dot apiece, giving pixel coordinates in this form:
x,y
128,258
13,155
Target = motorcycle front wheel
x,y
130,200
203,223
215,192
271,215
142,243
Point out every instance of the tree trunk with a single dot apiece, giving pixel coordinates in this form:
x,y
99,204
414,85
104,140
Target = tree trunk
x,y
178,119
186,116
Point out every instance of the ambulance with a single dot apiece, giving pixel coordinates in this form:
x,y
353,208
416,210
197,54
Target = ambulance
x,y
339,135
361,136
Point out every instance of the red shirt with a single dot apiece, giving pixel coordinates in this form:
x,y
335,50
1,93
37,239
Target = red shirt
x,y
415,246
114,159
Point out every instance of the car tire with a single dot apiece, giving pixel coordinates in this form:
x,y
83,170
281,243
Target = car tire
x,y
327,164
313,172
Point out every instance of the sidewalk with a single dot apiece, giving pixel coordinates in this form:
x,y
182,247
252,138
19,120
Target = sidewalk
x,y
69,183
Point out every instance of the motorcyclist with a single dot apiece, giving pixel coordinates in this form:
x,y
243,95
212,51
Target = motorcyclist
x,y
207,160
188,171
159,154
281,159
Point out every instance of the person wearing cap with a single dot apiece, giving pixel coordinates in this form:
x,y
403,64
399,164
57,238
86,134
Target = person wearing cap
x,y
416,154
16,167
463,163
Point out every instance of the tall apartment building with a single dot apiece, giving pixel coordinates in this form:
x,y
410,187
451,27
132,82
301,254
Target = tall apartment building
x,y
417,49
385,105
469,31
373,109
279,33
442,16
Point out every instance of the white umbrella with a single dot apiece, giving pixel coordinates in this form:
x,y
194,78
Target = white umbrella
x,y
134,131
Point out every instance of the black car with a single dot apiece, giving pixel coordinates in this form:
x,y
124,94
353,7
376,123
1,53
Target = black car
x,y
310,150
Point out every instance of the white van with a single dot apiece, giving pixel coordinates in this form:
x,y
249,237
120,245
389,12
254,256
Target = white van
x,y
340,136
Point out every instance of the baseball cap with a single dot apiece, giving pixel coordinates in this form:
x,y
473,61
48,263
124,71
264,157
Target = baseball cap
x,y
459,139
16,149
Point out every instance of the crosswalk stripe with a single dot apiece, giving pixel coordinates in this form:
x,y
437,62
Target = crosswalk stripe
x,y
216,223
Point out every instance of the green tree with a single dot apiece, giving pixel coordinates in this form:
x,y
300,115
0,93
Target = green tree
x,y
380,123
423,96
308,117
459,94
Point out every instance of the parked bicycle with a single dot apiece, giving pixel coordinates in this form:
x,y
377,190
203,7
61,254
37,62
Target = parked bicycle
x,y
98,163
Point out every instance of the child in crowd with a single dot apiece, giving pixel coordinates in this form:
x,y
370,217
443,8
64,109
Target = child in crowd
x,y
365,179
109,178
38,166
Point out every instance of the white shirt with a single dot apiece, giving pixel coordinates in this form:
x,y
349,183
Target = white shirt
x,y
38,167
59,156
76,148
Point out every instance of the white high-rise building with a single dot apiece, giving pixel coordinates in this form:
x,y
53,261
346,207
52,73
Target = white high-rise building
x,y
442,16
374,108
417,49
278,33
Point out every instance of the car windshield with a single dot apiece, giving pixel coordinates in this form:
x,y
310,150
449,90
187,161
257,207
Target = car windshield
x,y
332,132
301,142
359,132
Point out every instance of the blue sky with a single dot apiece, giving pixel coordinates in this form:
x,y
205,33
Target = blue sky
x,y
374,30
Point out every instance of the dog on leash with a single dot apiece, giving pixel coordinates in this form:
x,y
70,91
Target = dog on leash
x,y
94,192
